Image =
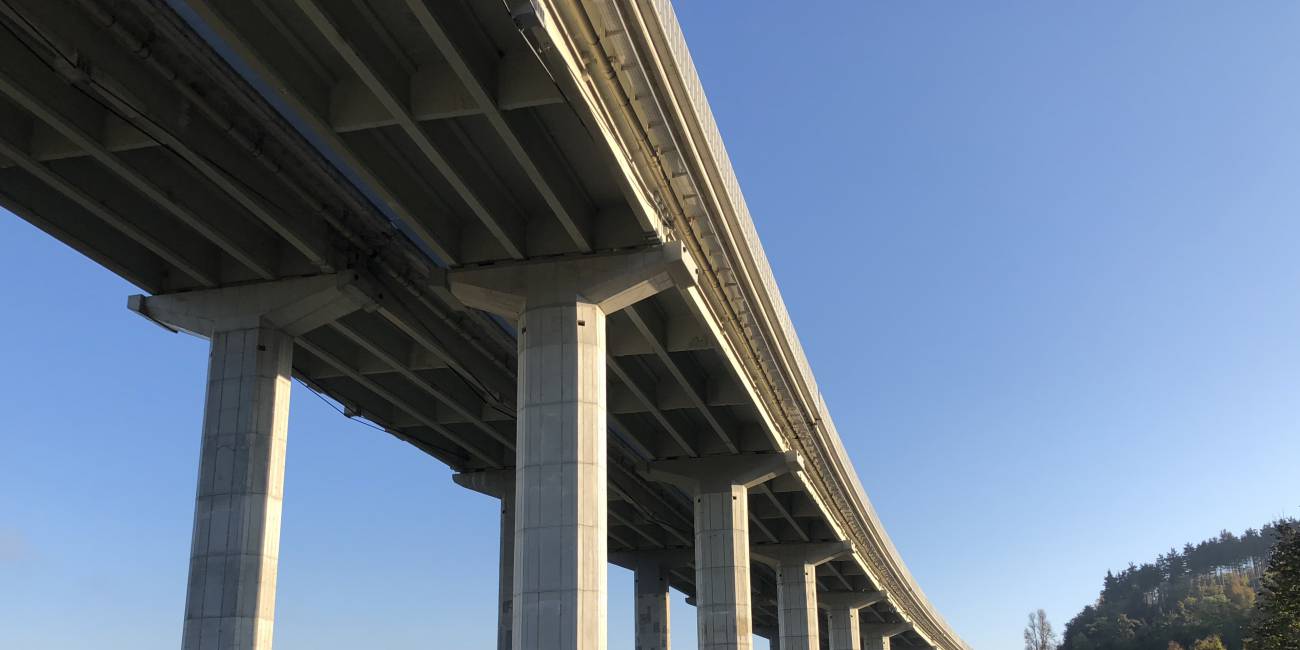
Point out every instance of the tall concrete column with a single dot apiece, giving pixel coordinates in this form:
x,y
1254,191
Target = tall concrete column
x,y
560,527
235,545
842,616
875,642
876,637
652,606
844,631
796,598
722,582
560,510
720,488
501,485
796,587
651,568
235,548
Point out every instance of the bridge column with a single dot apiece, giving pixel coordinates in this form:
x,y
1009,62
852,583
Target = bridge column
x,y
500,484
652,609
842,616
796,587
235,545
651,568
560,305
720,488
772,634
876,637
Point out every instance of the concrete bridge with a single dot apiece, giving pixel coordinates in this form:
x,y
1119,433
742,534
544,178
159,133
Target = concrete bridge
x,y
507,233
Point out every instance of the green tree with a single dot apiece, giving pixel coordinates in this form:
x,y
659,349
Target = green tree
x,y
1209,643
1276,624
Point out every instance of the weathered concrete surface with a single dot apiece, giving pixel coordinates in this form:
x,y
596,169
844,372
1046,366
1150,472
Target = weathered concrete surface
x,y
560,524
561,546
842,627
842,616
796,587
652,608
722,597
720,485
796,597
230,601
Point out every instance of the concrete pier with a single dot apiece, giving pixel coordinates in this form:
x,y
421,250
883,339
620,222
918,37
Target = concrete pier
x,y
501,485
796,596
560,511
230,601
722,569
877,637
796,587
651,568
842,616
652,605
235,549
560,523
720,488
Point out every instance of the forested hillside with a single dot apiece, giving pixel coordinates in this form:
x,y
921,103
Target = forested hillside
x,y
1204,590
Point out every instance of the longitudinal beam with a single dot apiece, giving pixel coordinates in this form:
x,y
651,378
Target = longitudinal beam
x,y
53,105
536,156
383,76
306,94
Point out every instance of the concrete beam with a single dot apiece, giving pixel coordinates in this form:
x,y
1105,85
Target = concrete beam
x,y
810,553
382,73
669,558
709,473
436,94
609,281
295,306
876,637
480,73
853,600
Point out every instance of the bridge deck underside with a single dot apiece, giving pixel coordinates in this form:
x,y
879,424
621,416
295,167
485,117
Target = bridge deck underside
x,y
390,136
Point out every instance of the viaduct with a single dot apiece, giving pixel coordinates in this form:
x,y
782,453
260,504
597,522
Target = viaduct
x,y
508,233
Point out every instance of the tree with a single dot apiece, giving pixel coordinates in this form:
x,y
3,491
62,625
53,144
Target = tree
x,y
1174,645
1276,624
1038,633
1209,643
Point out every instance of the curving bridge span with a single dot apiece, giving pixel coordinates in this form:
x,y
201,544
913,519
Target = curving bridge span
x,y
509,234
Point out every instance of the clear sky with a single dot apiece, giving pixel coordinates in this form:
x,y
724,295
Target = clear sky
x,y
1044,258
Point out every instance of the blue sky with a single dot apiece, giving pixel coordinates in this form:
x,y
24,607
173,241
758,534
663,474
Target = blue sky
x,y
1042,256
